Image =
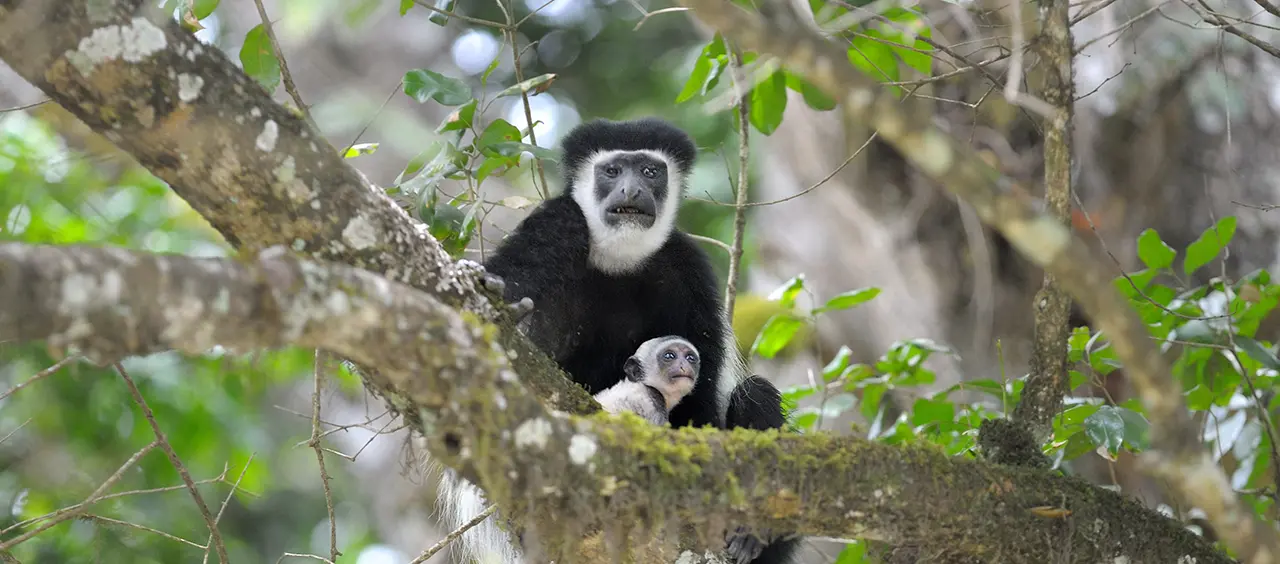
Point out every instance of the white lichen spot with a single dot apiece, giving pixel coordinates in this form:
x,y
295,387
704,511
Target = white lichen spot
x,y
189,86
299,245
533,432
222,303
267,139
338,303
1187,559
609,485
133,43
499,401
687,557
76,291
239,120
581,449
315,204
255,112
359,233
1122,559
878,494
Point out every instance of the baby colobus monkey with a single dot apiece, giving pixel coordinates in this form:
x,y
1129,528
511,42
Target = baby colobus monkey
x,y
661,373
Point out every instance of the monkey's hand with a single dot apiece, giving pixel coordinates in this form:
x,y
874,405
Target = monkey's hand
x,y
743,547
519,309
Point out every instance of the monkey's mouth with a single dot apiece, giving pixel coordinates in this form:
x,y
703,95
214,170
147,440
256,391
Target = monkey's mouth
x,y
629,210
640,215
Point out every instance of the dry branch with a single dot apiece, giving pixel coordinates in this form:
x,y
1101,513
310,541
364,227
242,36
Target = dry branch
x,y
1177,455
480,420
249,166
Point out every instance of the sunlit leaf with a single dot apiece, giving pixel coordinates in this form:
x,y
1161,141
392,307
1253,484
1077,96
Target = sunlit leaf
x,y
1106,428
1153,251
768,101
786,294
538,83
423,85
258,59
777,332
459,119
360,149
1209,244
849,299
837,365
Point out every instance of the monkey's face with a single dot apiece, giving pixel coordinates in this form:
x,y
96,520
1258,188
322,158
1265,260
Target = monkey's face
x,y
630,188
678,365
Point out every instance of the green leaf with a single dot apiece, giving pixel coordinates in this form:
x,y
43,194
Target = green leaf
x,y
798,393
423,85
259,60
768,101
697,80
1256,351
873,58
514,148
1076,414
805,420
499,131
786,294
527,85
491,165
838,404
460,119
849,299
853,553
360,149
204,8
925,411
1106,428
405,5
1136,429
813,97
1153,251
777,332
1210,243
837,365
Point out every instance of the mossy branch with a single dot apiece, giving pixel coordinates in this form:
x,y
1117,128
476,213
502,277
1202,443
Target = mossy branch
x,y
1177,456
252,168
567,474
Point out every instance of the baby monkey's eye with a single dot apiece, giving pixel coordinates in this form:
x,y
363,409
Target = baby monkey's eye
x,y
669,355
649,172
612,171
692,359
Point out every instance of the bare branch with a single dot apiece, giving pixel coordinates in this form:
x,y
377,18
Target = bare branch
x,y
314,443
38,376
164,445
452,536
744,160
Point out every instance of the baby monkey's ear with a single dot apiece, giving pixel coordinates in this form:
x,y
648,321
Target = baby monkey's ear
x,y
632,369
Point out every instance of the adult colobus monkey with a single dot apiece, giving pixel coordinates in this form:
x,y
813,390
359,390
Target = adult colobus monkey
x,y
607,270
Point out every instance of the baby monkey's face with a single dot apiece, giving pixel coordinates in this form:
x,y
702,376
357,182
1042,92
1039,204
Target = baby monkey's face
x,y
677,372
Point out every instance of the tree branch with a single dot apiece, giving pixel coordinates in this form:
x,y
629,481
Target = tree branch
x,y
249,166
1048,381
564,474
1177,454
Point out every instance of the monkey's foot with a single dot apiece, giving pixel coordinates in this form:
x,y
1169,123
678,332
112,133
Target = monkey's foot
x,y
744,547
493,283
521,309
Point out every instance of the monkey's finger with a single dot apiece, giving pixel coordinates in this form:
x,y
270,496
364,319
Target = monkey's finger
x,y
493,283
521,309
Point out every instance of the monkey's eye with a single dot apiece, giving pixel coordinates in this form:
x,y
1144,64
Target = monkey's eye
x,y
669,355
612,171
692,359
649,172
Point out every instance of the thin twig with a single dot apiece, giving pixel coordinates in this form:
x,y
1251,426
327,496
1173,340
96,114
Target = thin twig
x,y
315,444
744,158
524,98
26,107
289,86
712,241
226,501
117,522
437,547
38,376
66,513
176,462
